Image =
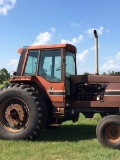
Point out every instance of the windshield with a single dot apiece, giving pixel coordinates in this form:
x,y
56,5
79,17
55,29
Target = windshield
x,y
70,64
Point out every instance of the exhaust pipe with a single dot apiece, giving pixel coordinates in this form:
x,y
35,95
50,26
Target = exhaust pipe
x,y
96,52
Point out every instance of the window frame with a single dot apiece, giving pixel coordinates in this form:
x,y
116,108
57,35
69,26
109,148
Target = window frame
x,y
63,67
53,60
27,61
67,54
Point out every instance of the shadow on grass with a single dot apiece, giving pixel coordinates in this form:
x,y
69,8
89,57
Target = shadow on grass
x,y
69,133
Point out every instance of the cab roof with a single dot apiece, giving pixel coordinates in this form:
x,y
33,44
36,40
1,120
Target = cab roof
x,y
52,46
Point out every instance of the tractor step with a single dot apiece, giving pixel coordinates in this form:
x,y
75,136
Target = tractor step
x,y
54,125
56,112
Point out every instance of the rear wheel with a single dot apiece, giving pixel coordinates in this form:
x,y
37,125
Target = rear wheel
x,y
108,131
22,112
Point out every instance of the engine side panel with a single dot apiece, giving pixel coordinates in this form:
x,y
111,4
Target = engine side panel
x,y
95,91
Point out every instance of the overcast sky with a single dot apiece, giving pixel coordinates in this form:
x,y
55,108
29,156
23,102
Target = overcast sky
x,y
35,22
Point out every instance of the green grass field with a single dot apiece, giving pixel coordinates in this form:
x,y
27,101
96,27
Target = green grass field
x,y
1,85
71,141
68,142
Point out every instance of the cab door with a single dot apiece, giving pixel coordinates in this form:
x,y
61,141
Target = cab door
x,y
70,69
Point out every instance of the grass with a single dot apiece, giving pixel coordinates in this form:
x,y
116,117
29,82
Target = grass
x,y
71,141
1,85
68,142
4,83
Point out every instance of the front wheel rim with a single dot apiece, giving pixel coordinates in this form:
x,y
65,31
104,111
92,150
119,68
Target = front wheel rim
x,y
14,115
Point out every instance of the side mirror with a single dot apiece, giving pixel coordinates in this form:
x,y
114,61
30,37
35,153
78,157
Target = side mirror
x,y
14,73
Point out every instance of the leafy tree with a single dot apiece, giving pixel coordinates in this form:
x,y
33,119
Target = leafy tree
x,y
104,73
113,73
117,73
4,75
86,73
1,81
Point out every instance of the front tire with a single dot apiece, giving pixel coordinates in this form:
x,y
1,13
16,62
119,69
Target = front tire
x,y
108,131
22,112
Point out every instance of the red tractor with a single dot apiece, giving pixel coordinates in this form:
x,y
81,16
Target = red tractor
x,y
46,91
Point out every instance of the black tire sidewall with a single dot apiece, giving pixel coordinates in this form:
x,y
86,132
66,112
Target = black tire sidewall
x,y
33,113
101,127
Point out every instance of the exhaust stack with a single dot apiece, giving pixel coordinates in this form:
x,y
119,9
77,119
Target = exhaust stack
x,y
96,52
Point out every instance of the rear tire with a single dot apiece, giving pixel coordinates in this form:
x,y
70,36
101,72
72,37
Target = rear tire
x,y
22,112
108,131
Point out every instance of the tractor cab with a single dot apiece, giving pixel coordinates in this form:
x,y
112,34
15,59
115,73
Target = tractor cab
x,y
50,67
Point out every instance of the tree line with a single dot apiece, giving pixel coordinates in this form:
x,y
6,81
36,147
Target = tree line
x,y
110,73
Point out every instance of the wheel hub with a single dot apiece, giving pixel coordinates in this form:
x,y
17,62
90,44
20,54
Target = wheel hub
x,y
14,114
113,133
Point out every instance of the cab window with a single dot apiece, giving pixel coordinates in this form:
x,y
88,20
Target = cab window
x,y
31,64
50,65
69,69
